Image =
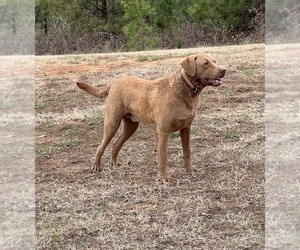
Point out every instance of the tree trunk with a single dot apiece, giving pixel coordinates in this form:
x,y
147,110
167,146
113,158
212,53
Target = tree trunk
x,y
104,10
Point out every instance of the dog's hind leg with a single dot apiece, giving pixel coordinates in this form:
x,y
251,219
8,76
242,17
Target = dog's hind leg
x,y
129,127
111,125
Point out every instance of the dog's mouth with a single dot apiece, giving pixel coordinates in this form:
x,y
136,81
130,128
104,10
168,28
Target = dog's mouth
x,y
214,82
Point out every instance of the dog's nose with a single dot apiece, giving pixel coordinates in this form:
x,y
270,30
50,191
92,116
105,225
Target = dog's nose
x,y
223,70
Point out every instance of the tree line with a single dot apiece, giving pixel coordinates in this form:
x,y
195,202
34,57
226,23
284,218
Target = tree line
x,y
91,26
87,26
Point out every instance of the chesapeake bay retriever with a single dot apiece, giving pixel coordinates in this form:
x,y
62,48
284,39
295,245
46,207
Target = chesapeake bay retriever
x,y
166,104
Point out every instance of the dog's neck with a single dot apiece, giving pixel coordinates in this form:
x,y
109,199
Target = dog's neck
x,y
183,90
192,87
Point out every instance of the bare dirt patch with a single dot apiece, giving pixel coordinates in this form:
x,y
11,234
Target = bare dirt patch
x,y
221,206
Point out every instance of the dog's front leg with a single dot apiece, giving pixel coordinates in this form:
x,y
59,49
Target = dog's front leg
x,y
186,145
162,141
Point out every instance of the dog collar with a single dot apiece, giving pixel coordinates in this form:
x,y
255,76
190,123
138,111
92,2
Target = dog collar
x,y
194,89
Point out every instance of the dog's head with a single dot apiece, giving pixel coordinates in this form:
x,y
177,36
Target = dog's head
x,y
203,70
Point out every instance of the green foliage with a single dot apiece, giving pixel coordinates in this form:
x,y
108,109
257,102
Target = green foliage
x,y
230,135
139,28
83,14
147,24
168,13
232,14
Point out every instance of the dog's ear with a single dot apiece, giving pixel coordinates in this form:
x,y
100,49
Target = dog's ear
x,y
189,65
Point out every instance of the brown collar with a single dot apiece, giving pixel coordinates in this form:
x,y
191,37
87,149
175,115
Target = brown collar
x,y
193,88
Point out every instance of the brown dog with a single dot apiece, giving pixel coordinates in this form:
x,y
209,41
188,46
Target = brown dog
x,y
167,104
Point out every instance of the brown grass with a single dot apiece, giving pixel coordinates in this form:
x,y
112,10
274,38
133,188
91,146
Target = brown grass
x,y
282,147
221,206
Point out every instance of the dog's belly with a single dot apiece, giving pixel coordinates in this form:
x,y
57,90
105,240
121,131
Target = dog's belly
x,y
148,121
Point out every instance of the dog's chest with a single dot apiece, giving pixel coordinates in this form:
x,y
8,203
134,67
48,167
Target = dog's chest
x,y
183,120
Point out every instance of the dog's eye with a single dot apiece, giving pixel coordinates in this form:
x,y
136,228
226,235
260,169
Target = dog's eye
x,y
206,63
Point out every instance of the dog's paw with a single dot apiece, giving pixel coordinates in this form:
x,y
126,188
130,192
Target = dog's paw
x,y
115,163
164,179
96,168
190,169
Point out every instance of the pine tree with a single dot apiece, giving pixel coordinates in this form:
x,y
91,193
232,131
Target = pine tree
x,y
168,17
139,24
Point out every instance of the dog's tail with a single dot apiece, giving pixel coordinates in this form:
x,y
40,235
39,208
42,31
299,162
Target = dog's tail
x,y
100,92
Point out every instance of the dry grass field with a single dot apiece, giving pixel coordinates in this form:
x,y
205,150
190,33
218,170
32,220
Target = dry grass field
x,y
282,126
220,206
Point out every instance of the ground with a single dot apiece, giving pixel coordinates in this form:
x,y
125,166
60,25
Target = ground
x,y
220,206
